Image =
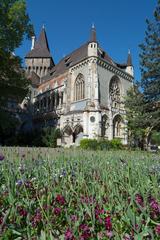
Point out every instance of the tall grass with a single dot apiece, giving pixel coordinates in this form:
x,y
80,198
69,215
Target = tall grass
x,y
74,194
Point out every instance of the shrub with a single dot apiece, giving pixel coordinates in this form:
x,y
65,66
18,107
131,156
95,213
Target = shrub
x,y
155,137
104,145
93,144
89,144
116,143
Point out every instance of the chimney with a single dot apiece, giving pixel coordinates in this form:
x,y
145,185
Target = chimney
x,y
33,42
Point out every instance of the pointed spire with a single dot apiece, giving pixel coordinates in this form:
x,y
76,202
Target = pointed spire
x,y
93,34
42,40
40,49
129,59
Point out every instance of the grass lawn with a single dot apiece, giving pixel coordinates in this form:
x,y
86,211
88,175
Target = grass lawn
x,y
72,194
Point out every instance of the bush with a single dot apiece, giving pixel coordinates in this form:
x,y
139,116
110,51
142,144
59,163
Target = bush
x,y
104,145
116,143
89,144
155,137
94,144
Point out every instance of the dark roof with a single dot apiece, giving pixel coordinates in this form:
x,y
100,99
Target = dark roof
x,y
68,61
129,59
41,48
34,78
103,55
77,56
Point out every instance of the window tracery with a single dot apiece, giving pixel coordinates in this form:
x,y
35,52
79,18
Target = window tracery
x,y
115,92
79,88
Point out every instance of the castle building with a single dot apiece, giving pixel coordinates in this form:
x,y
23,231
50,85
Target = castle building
x,y
83,94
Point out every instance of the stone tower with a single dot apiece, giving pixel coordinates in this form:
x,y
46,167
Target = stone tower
x,y
39,60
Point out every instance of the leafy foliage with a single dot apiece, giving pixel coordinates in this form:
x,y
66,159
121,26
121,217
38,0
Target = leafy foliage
x,y
49,136
14,25
143,113
75,194
155,137
94,144
150,66
136,116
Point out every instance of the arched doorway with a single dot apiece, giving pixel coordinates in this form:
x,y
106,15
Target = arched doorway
x,y
77,134
67,135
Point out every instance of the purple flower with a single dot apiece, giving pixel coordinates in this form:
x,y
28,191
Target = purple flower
x,y
60,199
69,235
19,182
157,230
108,223
57,211
74,218
139,200
109,234
1,157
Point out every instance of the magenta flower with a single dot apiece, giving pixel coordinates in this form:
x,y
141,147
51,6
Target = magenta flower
x,y
109,234
154,205
108,223
36,218
157,230
86,233
60,199
139,200
57,211
22,211
69,235
73,218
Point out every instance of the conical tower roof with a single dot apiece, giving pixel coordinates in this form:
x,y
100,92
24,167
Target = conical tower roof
x,y
129,59
93,34
41,48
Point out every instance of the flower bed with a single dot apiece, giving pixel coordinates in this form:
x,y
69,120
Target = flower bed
x,y
74,194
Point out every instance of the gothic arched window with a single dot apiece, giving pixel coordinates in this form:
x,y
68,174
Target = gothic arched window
x,y
117,126
114,92
79,88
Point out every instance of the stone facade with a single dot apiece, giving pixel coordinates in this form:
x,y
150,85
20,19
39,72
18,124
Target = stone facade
x,y
83,94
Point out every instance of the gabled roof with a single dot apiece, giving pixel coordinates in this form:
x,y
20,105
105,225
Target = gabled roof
x,y
41,48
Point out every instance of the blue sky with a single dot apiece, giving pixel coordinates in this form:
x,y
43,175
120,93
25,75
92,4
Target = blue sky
x,y
120,25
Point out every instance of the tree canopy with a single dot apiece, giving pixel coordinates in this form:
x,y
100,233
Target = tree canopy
x,y
143,102
14,26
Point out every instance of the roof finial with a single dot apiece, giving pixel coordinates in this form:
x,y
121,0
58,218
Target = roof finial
x,y
93,33
43,26
129,59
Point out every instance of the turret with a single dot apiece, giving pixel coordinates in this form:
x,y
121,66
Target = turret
x,y
93,45
39,59
129,68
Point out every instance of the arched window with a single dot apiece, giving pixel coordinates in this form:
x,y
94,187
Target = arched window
x,y
79,88
114,92
118,127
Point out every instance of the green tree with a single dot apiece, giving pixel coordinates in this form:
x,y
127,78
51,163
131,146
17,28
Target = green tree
x,y
150,67
14,26
143,111
137,117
